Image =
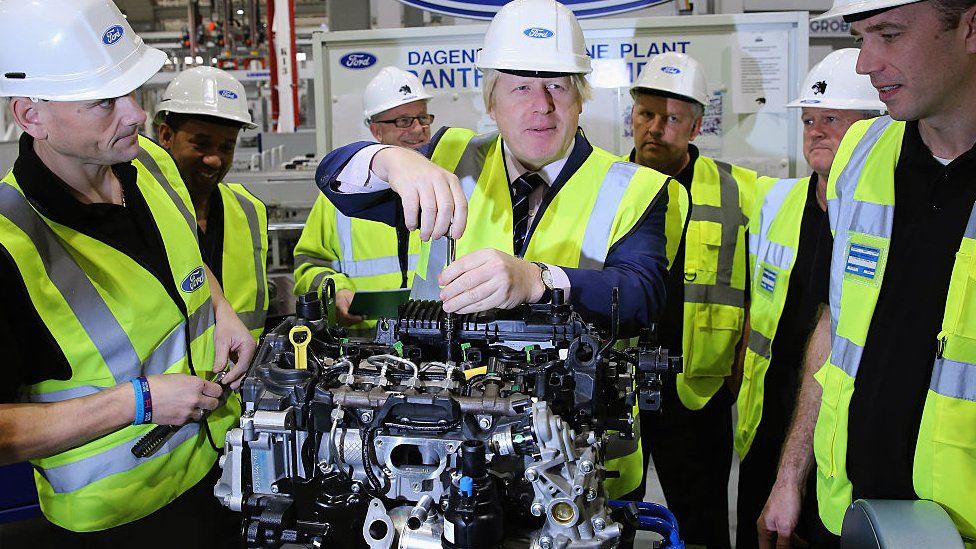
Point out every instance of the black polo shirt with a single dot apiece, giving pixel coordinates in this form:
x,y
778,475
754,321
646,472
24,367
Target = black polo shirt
x,y
932,207
212,241
31,354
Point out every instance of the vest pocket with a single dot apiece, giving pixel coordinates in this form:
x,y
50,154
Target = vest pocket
x,y
702,243
715,334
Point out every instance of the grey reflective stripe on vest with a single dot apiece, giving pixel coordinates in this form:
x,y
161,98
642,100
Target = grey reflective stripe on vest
x,y
760,344
845,354
596,239
170,351
468,171
954,379
254,319
86,303
354,268
729,216
118,459
765,250
873,219
150,164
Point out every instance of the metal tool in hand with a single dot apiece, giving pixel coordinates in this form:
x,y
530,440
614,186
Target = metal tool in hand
x,y
300,337
154,440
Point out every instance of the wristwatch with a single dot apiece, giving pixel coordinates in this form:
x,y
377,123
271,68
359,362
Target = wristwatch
x,y
546,281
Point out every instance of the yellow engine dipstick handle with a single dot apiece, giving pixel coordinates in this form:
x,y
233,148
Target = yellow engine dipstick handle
x,y
300,336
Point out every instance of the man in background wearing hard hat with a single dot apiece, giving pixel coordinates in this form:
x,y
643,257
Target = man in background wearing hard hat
x,y
198,120
783,238
108,319
691,439
544,209
894,406
358,254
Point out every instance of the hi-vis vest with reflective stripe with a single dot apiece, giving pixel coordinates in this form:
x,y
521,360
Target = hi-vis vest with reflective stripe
x,y
774,236
595,208
600,204
245,261
715,277
113,321
676,216
861,203
356,253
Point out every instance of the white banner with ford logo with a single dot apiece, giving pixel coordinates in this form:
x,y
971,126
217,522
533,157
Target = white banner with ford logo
x,y
486,9
443,57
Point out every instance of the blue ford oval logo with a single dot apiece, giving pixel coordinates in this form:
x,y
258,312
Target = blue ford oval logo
x,y
194,280
112,35
671,70
538,32
358,60
228,94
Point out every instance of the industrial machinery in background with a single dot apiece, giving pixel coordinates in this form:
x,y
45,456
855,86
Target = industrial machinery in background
x,y
457,431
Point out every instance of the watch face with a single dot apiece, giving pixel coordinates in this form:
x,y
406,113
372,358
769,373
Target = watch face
x,y
547,278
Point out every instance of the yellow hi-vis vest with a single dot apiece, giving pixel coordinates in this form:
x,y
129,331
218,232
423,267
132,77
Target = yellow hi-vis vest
x,y
679,204
715,277
245,260
774,237
114,321
357,254
861,202
600,204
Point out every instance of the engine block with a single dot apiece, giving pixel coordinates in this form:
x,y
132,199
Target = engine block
x,y
482,430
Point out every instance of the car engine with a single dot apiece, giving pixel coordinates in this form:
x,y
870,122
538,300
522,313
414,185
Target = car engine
x,y
456,431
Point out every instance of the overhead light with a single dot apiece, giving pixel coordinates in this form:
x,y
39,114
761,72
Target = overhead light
x,y
188,60
240,12
199,60
213,61
300,56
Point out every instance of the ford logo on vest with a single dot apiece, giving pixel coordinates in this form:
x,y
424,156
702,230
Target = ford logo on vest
x,y
537,32
194,280
228,94
112,35
358,60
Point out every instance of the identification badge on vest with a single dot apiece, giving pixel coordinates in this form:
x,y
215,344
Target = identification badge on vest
x,y
767,280
865,259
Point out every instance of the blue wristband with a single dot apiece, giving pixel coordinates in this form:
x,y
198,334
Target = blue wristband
x,y
140,386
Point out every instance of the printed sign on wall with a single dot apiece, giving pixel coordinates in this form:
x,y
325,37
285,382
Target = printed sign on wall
x,y
486,9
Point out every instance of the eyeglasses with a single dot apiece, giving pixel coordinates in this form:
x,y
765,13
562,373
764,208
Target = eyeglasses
x,y
404,122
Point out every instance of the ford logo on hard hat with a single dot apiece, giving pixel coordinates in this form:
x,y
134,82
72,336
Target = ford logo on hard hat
x,y
358,60
228,94
194,280
112,35
671,70
538,32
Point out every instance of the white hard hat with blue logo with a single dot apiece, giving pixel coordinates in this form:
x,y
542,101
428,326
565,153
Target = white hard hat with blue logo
x,y
71,50
848,8
537,36
675,74
206,91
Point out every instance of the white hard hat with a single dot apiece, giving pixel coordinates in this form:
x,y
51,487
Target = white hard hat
x,y
391,88
71,50
536,36
843,8
674,73
834,84
207,91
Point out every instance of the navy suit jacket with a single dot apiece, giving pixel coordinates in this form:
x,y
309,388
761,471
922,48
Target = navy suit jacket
x,y
636,264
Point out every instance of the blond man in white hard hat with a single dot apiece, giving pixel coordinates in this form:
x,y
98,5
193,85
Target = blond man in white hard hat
x,y
198,120
690,440
532,206
109,315
889,414
792,213
395,108
358,254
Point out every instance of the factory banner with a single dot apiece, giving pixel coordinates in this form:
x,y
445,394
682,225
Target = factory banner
x,y
486,9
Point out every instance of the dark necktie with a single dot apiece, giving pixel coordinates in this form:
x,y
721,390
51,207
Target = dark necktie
x,y
521,189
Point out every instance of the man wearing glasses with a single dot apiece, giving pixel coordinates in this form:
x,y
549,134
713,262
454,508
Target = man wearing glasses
x,y
356,253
